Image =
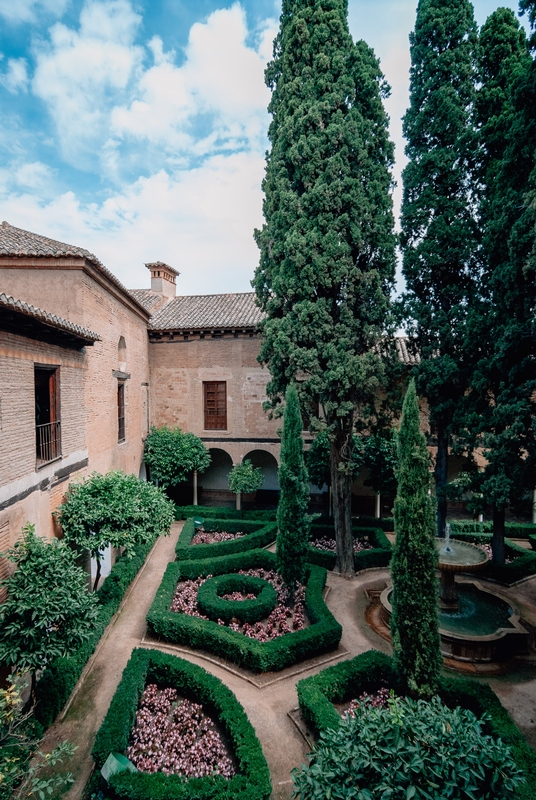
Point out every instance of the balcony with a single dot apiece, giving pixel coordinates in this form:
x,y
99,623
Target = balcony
x,y
48,442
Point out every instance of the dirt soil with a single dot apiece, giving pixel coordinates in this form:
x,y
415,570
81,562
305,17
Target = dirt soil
x,y
269,703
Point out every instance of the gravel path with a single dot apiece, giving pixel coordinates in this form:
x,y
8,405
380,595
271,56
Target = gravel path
x,y
267,706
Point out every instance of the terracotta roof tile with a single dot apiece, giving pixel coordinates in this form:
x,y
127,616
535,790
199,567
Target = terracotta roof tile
x,y
16,242
147,298
208,311
9,303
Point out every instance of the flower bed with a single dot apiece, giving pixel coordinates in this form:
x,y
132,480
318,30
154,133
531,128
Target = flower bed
x,y
203,536
372,548
175,736
319,694
240,644
236,537
244,773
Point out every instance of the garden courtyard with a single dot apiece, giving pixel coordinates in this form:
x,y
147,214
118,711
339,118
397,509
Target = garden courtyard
x,y
270,700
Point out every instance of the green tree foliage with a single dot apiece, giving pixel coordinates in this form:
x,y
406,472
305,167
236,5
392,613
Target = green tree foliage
x,y
293,522
114,510
439,232
246,478
172,455
411,749
414,621
327,245
499,410
49,611
19,740
376,452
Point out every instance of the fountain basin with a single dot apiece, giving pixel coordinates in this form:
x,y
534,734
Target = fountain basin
x,y
460,556
485,626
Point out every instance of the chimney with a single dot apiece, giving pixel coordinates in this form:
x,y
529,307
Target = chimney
x,y
163,278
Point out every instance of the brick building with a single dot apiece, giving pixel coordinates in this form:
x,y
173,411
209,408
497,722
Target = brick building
x,y
74,376
86,366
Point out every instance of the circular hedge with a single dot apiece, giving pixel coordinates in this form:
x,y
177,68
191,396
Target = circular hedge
x,y
212,604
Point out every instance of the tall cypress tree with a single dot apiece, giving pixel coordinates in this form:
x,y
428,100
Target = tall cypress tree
x,y
327,246
293,522
439,232
414,621
500,407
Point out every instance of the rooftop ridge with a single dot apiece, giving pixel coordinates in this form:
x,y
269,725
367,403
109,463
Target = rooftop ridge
x,y
20,243
7,301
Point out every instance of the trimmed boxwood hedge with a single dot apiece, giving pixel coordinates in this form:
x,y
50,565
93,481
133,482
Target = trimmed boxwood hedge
x,y
379,556
371,670
150,666
214,512
258,534
59,678
515,530
523,566
322,635
386,524
215,607
532,540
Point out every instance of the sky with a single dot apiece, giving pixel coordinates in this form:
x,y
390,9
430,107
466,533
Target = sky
x,y
137,128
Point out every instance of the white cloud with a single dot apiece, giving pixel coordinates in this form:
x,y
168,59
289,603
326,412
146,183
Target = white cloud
x,y
79,74
27,10
34,176
15,79
200,221
101,96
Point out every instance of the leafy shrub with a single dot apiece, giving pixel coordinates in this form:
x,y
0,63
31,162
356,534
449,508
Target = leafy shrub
x,y
214,606
532,539
245,477
49,611
372,670
411,749
115,510
173,455
60,676
257,534
218,512
379,556
149,666
322,635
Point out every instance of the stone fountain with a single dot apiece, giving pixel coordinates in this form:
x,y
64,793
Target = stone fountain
x,y
476,624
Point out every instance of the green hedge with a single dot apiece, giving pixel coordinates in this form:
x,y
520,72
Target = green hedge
x,y
532,540
322,635
258,534
150,666
59,678
370,671
379,556
215,607
386,524
523,566
214,512
515,530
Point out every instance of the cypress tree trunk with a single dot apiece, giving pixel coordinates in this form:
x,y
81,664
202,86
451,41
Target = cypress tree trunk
x,y
497,542
414,621
293,522
441,478
341,486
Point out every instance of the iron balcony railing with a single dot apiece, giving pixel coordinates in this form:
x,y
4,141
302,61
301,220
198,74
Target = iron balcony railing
x,y
48,442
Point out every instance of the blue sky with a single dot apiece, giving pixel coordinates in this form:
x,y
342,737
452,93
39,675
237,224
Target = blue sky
x,y
138,129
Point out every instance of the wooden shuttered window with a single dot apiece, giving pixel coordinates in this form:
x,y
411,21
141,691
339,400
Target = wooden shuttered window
x,y
215,405
120,411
